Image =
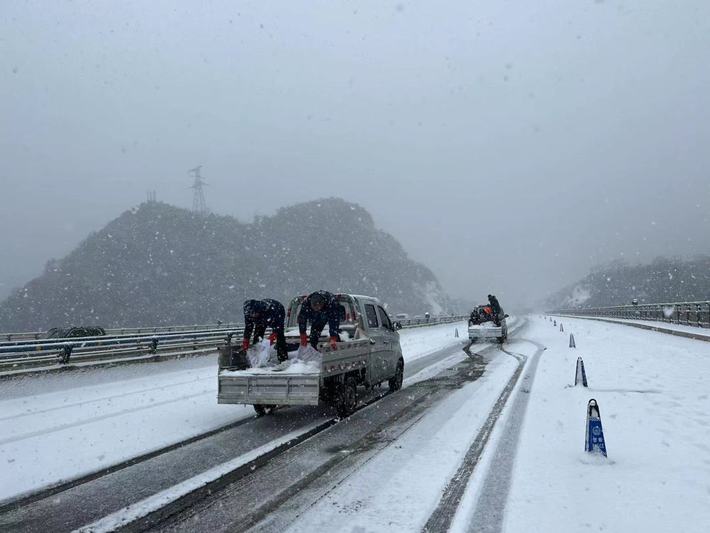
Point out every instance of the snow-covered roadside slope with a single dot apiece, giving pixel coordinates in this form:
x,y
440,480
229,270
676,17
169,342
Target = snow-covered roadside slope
x,y
654,395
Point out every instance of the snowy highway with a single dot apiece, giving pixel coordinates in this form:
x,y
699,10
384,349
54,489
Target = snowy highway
x,y
489,442
82,425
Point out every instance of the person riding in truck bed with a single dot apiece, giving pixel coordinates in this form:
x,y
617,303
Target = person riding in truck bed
x,y
495,306
260,314
319,308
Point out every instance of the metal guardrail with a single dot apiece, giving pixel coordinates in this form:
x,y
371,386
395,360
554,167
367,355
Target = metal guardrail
x,y
28,354
686,313
39,335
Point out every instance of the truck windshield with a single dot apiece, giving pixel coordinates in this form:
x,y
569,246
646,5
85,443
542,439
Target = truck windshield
x,y
348,317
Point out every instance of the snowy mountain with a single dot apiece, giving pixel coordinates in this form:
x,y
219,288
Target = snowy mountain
x,y
159,264
663,280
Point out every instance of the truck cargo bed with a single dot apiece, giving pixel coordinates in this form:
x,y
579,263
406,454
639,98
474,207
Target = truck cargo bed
x,y
298,384
484,332
269,389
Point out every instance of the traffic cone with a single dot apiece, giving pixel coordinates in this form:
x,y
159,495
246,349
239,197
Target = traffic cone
x,y
580,375
456,333
562,328
594,439
554,322
571,341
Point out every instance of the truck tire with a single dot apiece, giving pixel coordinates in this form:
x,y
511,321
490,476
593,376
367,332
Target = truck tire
x,y
395,382
345,397
262,410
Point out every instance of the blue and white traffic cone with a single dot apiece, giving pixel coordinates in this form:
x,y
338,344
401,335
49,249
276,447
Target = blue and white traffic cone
x,y
594,441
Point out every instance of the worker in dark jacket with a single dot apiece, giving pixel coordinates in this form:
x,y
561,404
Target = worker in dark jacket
x,y
319,308
260,314
495,305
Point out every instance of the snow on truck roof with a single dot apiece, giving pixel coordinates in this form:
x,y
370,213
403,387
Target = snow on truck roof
x,y
337,294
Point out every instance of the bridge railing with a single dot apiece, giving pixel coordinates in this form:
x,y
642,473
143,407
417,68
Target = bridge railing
x,y
154,343
687,313
38,335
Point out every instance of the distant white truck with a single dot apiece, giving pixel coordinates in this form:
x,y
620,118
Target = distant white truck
x,y
482,326
369,354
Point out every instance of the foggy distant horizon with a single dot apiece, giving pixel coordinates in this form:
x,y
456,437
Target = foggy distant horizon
x,y
510,148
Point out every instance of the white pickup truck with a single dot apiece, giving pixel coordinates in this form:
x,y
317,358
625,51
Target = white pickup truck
x,y
482,326
368,354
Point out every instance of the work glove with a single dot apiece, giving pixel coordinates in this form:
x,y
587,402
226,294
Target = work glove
x,y
333,343
245,344
304,340
272,338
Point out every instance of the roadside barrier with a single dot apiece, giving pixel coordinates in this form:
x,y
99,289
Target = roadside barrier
x,y
580,374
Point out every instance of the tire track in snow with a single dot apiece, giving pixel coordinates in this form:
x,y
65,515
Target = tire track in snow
x,y
91,420
105,398
490,507
443,515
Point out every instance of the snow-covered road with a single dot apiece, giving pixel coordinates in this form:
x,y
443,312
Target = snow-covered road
x,y
654,394
533,475
58,427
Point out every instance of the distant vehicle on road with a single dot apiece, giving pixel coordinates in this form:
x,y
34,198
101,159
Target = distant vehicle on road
x,y
484,324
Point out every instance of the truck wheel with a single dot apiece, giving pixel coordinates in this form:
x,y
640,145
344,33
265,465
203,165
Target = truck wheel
x,y
346,397
395,382
262,410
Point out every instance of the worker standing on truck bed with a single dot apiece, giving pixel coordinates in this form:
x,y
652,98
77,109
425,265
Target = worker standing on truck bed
x,y
260,314
319,308
495,306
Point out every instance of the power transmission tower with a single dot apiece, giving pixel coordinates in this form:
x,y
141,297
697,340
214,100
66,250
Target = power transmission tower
x,y
199,205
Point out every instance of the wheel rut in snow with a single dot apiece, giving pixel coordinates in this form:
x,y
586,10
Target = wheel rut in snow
x,y
280,491
75,502
441,518
489,510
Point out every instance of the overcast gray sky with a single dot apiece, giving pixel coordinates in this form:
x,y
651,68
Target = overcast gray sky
x,y
509,145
